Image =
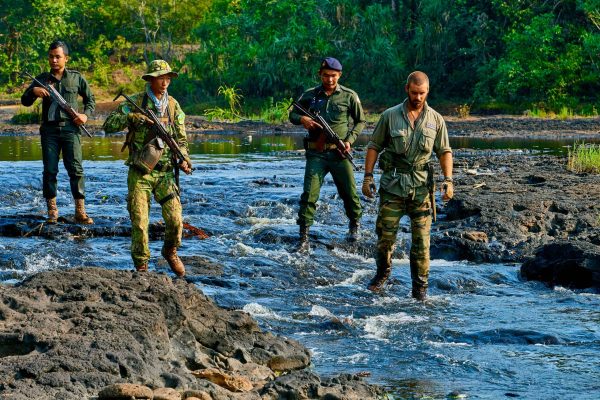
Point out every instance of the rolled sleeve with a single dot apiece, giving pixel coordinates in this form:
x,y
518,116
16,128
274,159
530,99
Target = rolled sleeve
x,y
442,141
378,137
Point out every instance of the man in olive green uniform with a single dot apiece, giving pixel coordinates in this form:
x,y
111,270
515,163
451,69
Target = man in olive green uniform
x,y
151,170
59,132
339,106
408,132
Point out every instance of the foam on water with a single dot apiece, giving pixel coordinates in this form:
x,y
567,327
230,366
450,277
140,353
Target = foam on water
x,y
380,326
259,311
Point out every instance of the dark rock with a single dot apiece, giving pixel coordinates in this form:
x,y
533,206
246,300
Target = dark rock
x,y
567,263
71,334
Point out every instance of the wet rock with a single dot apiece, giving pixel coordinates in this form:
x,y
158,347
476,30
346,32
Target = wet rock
x,y
76,333
307,385
125,391
522,202
567,263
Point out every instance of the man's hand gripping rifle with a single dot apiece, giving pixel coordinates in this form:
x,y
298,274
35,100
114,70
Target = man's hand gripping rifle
x,y
331,135
159,129
62,103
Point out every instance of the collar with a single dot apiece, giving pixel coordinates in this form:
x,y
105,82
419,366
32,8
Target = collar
x,y
322,90
405,108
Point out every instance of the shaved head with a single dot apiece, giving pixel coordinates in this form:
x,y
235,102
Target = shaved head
x,y
418,78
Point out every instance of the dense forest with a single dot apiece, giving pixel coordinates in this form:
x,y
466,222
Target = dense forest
x,y
492,55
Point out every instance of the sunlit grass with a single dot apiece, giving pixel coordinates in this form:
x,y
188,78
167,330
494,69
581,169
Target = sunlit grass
x,y
27,115
584,157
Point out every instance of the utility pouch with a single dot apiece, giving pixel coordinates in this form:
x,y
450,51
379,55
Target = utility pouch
x,y
146,159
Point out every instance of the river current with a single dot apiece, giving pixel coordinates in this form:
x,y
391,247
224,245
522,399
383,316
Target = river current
x,y
483,333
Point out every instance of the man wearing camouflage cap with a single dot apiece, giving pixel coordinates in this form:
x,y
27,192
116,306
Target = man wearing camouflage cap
x,y
339,106
144,182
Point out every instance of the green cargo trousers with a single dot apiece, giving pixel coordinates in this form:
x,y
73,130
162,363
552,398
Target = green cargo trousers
x,y
65,140
141,187
391,210
318,165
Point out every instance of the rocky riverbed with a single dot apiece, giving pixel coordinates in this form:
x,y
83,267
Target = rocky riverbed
x,y
93,333
76,333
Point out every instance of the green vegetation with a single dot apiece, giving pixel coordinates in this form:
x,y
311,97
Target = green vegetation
x,y
494,55
584,158
26,115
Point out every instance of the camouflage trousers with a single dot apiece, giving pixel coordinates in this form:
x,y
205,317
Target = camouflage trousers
x,y
141,188
391,210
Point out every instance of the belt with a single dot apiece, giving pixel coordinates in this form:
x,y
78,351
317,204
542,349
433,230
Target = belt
x,y
57,123
163,167
326,146
407,168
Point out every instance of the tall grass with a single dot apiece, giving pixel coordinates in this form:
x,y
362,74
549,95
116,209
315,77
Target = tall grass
x,y
26,115
233,98
584,157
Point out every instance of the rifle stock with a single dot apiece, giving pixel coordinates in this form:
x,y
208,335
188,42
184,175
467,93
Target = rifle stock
x,y
332,136
62,103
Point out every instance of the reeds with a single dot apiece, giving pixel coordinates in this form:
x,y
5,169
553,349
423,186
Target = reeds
x,y
584,157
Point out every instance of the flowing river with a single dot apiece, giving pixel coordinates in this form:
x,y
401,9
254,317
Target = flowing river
x,y
483,333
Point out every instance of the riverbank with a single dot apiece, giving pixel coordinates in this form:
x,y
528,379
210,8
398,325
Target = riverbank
x,y
472,126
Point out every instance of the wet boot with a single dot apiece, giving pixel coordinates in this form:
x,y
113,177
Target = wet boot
x,y
142,268
383,273
304,245
353,234
419,292
80,216
170,254
52,211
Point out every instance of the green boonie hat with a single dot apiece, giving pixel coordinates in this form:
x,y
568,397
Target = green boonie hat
x,y
158,68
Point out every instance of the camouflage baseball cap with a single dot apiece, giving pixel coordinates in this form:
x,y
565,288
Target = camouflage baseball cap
x,y
159,68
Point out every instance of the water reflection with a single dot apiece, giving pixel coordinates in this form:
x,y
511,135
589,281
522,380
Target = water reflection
x,y
28,148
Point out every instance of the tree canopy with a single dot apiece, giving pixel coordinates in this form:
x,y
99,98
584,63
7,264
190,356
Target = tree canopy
x,y
513,54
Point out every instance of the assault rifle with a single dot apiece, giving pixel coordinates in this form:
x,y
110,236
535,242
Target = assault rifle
x,y
161,132
331,135
62,103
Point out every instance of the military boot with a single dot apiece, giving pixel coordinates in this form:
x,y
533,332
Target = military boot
x,y
80,216
419,292
353,234
383,273
52,211
304,245
170,254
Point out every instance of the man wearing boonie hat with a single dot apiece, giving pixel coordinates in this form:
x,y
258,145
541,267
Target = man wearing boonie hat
x,y
339,106
143,182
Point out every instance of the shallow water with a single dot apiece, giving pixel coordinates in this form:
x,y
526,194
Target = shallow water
x,y
482,332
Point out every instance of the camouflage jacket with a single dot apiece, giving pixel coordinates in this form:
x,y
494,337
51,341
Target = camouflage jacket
x,y
139,134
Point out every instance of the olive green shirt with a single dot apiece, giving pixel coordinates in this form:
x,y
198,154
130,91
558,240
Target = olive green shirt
x,y
70,86
139,134
338,110
408,150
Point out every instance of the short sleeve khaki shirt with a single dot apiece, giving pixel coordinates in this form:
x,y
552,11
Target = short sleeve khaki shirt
x,y
408,149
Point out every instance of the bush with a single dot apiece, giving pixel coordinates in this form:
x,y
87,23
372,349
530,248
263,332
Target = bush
x,y
26,116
